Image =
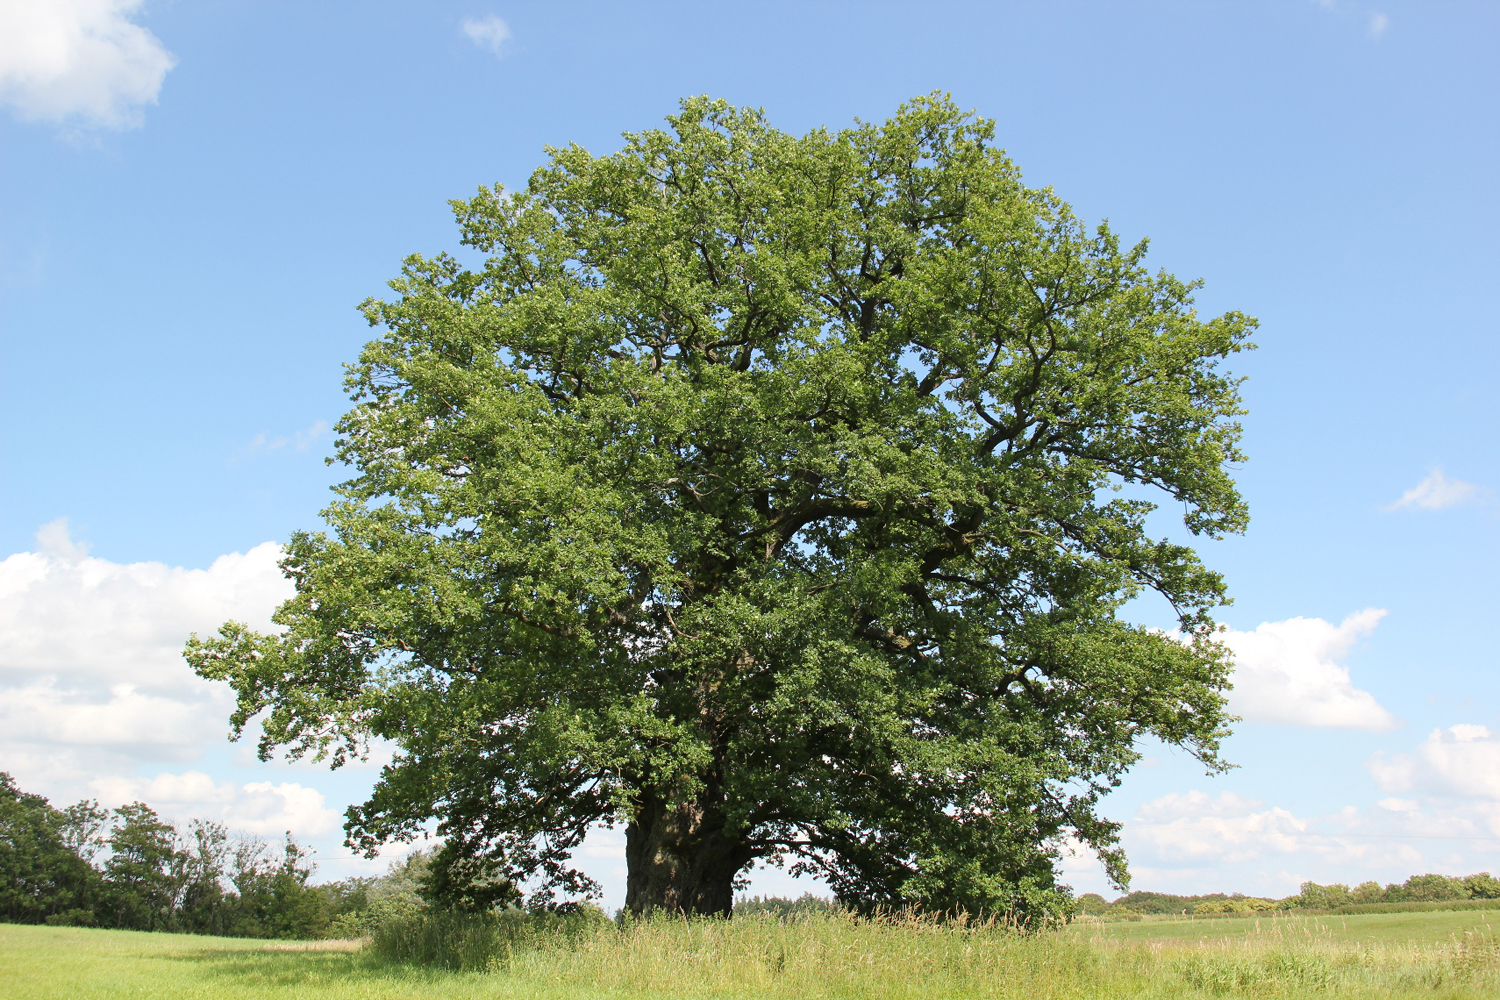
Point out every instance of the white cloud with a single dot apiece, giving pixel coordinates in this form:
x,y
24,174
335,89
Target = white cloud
x,y
487,32
155,725
92,679
1192,826
1196,834
1437,492
1287,672
77,617
259,807
55,538
603,843
1460,761
298,441
1378,23
79,60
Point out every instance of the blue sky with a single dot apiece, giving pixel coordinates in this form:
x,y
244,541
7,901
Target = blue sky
x,y
195,195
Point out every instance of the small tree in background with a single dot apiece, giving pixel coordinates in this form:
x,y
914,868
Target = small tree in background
x,y
1323,897
275,900
143,873
204,906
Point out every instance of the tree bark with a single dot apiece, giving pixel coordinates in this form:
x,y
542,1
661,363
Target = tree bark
x,y
678,859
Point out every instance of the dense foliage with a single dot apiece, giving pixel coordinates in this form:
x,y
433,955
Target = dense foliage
x,y
129,869
42,875
1427,888
757,492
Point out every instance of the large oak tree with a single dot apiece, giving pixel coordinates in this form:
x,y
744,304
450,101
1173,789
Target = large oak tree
x,y
775,497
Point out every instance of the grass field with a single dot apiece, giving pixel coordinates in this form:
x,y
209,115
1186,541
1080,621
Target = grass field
x,y
1433,927
1438,955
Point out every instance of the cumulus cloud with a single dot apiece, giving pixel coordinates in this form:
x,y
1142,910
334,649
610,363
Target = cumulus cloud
x,y
68,615
1378,23
79,60
1288,672
1437,492
1195,834
1460,761
154,726
92,680
487,32
258,807
1195,827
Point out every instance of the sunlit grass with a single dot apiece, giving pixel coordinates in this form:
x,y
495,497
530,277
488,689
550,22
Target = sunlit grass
x,y
1374,956
1429,926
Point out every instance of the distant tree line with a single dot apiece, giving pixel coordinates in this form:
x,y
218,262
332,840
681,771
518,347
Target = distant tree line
x,y
127,868
1312,896
781,908
1417,889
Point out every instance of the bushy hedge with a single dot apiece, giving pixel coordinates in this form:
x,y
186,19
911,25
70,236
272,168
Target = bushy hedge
x,y
1444,904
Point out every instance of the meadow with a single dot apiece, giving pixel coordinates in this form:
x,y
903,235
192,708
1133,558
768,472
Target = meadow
x,y
1440,955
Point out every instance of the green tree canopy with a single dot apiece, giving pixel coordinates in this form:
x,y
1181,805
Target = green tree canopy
x,y
42,876
756,492
143,873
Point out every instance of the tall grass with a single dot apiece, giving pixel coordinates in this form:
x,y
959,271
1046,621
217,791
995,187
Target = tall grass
x,y
481,942
901,958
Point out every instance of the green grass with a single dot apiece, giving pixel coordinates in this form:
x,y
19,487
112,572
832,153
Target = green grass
x,y
1431,927
42,963
1446,904
1433,955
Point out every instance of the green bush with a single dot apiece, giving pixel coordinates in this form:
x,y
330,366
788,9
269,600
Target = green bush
x,y
1092,904
1426,889
1238,904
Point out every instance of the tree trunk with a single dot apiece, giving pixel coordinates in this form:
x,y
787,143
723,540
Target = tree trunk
x,y
678,859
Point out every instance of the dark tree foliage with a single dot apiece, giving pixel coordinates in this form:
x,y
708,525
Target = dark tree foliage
x,y
757,492
143,872
42,877
274,897
154,879
456,880
203,904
